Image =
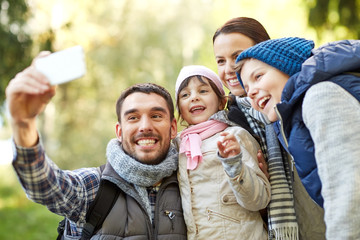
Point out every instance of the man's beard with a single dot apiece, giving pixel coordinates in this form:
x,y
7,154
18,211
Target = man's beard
x,y
162,153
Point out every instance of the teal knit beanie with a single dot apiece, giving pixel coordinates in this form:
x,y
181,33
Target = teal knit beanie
x,y
285,54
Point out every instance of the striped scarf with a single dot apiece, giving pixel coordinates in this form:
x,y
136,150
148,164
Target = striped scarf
x,y
282,221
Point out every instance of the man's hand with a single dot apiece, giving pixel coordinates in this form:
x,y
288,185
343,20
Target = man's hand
x,y
262,164
27,96
228,146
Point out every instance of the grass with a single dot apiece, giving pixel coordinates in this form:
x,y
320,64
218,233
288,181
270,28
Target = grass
x,y
21,218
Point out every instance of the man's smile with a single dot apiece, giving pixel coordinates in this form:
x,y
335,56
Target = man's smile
x,y
146,142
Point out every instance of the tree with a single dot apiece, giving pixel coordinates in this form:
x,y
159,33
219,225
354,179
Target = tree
x,y
15,42
338,19
137,45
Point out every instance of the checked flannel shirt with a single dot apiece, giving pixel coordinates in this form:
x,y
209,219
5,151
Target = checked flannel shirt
x,y
66,193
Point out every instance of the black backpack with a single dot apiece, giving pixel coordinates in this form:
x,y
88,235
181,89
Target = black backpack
x,y
104,201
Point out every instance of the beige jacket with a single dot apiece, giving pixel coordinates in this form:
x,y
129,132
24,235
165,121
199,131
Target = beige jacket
x,y
218,207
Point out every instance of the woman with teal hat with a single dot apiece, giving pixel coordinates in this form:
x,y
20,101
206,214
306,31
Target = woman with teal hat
x,y
312,96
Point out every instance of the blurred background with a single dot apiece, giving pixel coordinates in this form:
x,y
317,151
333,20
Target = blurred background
x,y
125,42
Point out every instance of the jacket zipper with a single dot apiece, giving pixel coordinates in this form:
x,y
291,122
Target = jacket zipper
x,y
213,213
171,216
286,142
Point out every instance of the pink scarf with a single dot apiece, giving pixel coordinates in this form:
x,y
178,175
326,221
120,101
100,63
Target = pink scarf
x,y
191,139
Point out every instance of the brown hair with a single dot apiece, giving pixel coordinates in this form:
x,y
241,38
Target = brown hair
x,y
145,88
244,25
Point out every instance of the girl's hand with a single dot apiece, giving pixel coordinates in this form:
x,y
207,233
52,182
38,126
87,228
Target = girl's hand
x,y
228,146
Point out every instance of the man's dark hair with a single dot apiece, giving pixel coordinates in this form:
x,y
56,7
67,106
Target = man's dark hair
x,y
145,88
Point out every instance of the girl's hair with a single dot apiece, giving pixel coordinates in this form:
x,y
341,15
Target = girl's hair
x,y
184,84
244,25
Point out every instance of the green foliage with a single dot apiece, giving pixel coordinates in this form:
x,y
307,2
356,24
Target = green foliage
x,y
125,42
139,45
340,18
30,222
21,218
15,41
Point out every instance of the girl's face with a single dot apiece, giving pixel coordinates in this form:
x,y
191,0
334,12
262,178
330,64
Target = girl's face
x,y
198,101
264,85
226,49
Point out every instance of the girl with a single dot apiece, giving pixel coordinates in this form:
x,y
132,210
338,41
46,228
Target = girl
x,y
221,185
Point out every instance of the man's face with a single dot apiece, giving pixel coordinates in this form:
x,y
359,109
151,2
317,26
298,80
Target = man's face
x,y
264,85
146,129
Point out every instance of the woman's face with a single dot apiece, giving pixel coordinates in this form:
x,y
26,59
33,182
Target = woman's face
x,y
226,49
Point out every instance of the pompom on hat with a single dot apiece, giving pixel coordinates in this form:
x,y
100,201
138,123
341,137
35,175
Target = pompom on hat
x,y
194,70
285,54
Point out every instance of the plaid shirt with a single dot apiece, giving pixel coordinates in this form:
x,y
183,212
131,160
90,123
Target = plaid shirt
x,y
66,193
152,193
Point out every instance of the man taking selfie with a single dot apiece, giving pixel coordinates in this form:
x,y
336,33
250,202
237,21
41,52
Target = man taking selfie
x,y
141,165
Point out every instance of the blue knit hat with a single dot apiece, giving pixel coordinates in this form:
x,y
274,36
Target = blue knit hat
x,y
285,54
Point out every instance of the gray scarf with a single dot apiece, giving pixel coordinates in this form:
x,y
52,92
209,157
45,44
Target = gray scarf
x,y
139,174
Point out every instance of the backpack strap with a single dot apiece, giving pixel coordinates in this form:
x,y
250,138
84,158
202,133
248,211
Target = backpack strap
x,y
61,229
98,210
104,201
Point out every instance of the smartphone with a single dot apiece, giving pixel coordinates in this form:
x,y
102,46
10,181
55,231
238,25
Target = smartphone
x,y
63,66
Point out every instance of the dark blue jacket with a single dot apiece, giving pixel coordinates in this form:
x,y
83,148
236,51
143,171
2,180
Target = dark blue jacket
x,y
331,62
